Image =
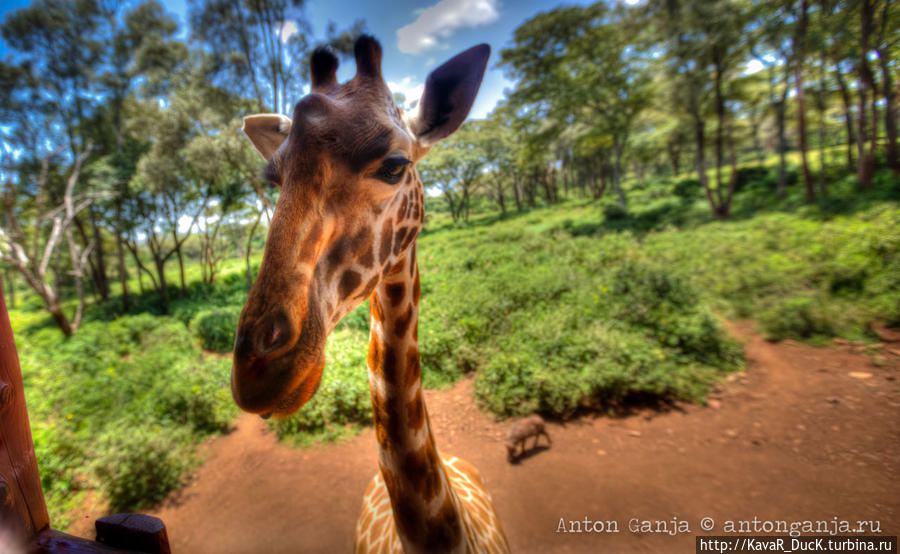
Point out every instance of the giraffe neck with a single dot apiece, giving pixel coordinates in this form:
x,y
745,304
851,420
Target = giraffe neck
x,y
425,507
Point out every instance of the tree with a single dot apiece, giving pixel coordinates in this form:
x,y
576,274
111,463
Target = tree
x,y
261,48
886,41
702,52
577,65
455,166
799,47
34,229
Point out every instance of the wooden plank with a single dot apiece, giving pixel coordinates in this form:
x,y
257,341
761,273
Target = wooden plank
x,y
135,532
56,542
23,512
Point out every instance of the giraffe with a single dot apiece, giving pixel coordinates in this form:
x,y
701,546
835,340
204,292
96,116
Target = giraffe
x,y
344,229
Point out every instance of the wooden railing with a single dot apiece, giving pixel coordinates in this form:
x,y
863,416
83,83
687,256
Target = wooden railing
x,y
24,522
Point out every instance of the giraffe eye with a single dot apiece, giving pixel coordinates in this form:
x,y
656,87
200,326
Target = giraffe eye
x,y
392,169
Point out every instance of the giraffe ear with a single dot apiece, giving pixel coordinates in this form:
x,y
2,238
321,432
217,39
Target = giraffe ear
x,y
449,94
267,131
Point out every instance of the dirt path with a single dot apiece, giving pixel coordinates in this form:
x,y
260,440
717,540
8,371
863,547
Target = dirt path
x,y
805,433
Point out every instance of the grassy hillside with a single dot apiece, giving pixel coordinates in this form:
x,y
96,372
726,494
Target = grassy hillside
x,y
572,306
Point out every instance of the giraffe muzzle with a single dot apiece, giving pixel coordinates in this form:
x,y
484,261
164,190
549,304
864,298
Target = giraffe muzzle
x,y
277,363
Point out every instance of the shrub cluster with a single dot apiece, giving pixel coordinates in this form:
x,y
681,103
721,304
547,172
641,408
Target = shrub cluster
x,y
556,322
216,327
118,407
798,277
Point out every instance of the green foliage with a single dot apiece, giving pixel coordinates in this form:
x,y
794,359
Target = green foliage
x,y
800,277
141,464
119,406
342,401
588,322
216,327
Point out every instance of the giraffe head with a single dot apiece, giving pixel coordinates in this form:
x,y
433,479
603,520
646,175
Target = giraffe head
x,y
350,207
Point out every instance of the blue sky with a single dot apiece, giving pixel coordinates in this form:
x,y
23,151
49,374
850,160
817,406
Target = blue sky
x,y
417,35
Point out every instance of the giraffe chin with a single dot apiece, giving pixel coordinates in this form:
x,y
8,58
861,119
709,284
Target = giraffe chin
x,y
279,398
299,395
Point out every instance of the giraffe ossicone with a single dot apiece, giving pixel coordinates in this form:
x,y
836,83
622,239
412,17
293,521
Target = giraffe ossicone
x,y
344,229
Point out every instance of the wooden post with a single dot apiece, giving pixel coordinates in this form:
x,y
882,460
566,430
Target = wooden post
x,y
23,512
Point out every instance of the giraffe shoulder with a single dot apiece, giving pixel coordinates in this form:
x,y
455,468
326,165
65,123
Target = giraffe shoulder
x,y
375,531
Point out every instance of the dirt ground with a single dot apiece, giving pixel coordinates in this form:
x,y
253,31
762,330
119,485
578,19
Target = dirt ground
x,y
804,433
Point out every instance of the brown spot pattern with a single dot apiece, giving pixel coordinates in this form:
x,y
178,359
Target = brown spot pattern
x,y
395,293
370,286
387,235
423,472
410,520
399,241
401,322
415,413
349,281
444,530
412,363
367,259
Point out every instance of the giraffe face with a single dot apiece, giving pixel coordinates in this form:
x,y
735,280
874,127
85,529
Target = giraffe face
x,y
350,207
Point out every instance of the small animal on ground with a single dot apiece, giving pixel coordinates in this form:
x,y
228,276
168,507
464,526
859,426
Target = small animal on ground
x,y
531,426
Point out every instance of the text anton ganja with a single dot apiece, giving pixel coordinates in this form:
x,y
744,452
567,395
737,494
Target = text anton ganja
x,y
672,526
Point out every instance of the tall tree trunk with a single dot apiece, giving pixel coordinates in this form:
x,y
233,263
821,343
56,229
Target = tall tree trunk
x,y
700,138
821,104
674,151
800,52
60,318
161,275
102,280
603,181
141,267
848,117
755,124
466,203
617,175
180,267
517,192
890,111
120,254
866,167
720,134
725,207
87,241
782,144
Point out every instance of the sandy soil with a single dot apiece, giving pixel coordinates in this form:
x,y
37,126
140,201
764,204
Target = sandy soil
x,y
804,433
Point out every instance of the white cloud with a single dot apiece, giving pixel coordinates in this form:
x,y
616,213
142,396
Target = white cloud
x,y
409,88
288,29
441,20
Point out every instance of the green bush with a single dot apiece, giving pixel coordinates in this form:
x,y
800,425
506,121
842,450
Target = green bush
x,y
687,189
216,327
589,322
799,276
140,465
141,377
342,402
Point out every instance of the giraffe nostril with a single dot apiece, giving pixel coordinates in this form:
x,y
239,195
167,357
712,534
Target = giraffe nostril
x,y
273,335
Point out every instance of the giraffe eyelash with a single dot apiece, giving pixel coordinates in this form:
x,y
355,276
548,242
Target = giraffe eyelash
x,y
392,169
